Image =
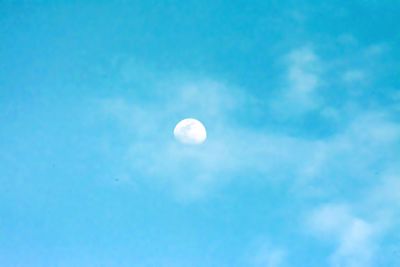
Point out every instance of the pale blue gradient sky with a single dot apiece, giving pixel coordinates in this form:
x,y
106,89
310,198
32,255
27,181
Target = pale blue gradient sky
x,y
301,101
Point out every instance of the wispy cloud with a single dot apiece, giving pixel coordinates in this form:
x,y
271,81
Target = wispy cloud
x,y
193,172
269,257
301,82
354,75
353,236
152,152
262,253
344,166
363,143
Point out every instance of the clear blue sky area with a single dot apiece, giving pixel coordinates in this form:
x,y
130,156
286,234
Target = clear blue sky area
x,y
301,101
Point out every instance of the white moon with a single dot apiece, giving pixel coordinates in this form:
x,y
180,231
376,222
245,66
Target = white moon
x,y
190,131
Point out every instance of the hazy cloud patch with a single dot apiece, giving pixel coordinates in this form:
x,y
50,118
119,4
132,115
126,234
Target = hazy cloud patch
x,y
301,82
353,236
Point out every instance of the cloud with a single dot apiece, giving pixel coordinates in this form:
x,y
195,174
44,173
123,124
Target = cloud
x,y
344,165
350,158
262,253
354,75
360,142
234,151
383,200
353,236
356,247
301,82
270,257
190,171
376,49
195,171
347,39
361,158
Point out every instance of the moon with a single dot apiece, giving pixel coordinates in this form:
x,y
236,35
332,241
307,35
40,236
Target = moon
x,y
190,131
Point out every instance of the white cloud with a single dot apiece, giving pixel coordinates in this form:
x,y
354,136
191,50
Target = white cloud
x,y
195,171
364,139
232,151
353,236
302,80
347,39
302,72
364,146
190,171
354,75
376,49
261,253
330,219
383,200
356,245
367,145
269,257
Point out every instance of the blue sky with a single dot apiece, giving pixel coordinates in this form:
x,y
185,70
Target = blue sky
x,y
301,101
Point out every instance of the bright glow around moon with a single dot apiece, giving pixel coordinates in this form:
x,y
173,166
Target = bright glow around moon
x,y
190,131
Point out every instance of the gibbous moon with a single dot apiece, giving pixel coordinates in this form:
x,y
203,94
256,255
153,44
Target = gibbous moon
x,y
190,131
